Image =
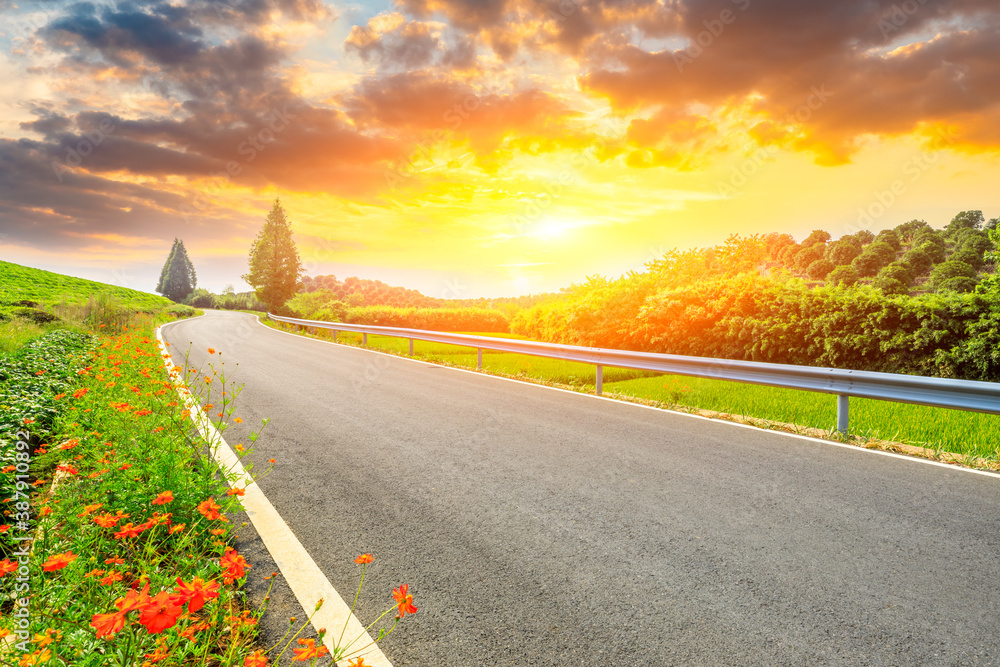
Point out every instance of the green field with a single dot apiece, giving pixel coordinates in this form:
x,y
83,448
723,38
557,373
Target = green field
x,y
21,283
965,433
34,301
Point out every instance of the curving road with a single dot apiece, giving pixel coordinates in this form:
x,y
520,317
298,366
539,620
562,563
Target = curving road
x,y
540,527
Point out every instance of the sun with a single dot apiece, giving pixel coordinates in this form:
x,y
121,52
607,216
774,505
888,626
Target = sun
x,y
549,229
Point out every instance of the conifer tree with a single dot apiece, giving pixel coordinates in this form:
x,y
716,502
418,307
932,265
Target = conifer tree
x,y
275,269
177,278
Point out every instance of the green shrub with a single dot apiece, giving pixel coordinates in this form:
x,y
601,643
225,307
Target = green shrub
x,y
843,275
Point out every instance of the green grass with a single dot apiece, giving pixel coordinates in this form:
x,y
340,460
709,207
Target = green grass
x,y
22,283
34,302
955,431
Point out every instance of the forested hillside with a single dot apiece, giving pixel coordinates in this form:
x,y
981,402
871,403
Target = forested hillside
x,y
913,299
908,300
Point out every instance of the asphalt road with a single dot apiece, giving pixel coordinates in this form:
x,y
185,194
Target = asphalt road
x,y
539,527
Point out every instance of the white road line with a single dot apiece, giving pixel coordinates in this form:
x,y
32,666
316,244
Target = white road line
x,y
855,448
304,577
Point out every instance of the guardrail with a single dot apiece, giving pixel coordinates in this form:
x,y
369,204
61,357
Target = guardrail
x,y
935,392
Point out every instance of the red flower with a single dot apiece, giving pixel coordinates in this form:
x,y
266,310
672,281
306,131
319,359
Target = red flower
x,y
133,600
233,564
256,659
128,530
164,498
160,613
80,393
404,600
364,559
195,593
108,624
210,510
59,561
6,567
310,651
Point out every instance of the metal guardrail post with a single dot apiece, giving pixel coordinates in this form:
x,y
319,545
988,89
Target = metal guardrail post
x,y
364,339
411,347
334,335
843,412
479,358
600,379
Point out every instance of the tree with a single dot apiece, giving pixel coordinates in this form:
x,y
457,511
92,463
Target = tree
x,y
820,269
808,255
946,271
842,275
842,252
965,220
177,278
817,236
275,269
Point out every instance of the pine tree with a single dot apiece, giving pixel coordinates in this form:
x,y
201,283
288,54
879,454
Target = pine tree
x,y
275,268
177,278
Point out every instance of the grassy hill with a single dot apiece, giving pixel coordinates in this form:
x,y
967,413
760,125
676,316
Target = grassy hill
x,y
21,283
33,301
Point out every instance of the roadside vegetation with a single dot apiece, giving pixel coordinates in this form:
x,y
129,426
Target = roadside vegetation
x,y
117,545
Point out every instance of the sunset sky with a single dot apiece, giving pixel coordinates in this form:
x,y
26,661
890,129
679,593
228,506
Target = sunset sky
x,y
482,147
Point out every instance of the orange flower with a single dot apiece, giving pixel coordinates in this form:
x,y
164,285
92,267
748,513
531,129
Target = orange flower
x,y
210,510
256,659
80,393
4,528
114,561
404,600
7,566
234,565
161,613
177,528
108,624
364,559
195,593
96,572
310,651
357,662
164,498
235,492
128,530
161,652
90,508
211,350
59,561
107,520
133,600
112,577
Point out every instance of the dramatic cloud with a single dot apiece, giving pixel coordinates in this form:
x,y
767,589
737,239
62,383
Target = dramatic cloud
x,y
620,119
